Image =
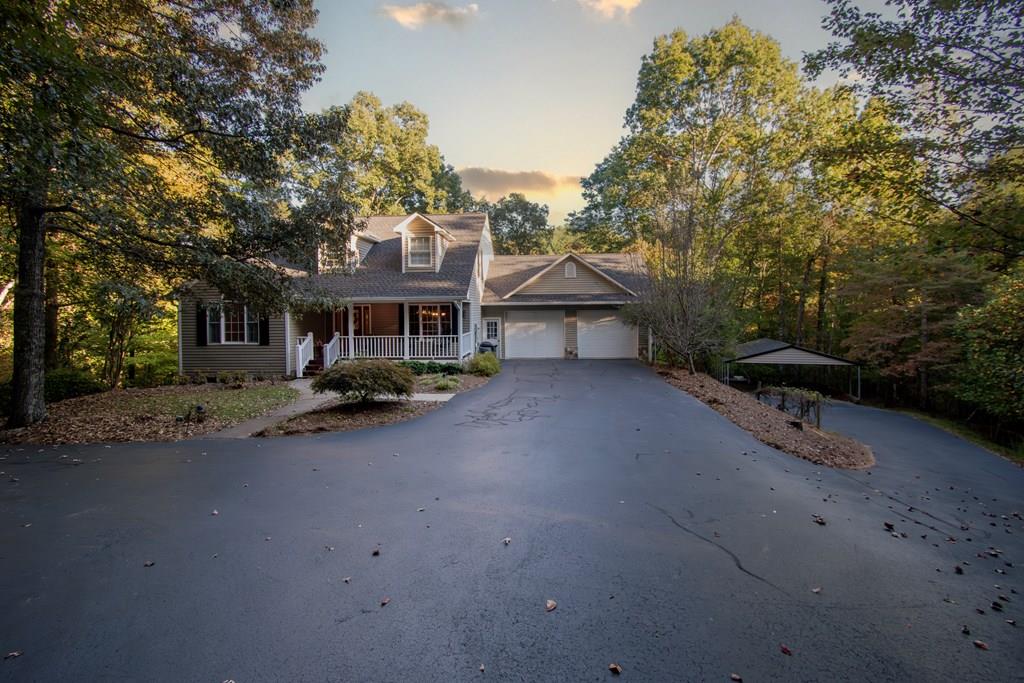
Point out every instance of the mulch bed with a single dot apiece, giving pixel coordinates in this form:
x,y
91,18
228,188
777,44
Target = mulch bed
x,y
346,416
771,426
149,414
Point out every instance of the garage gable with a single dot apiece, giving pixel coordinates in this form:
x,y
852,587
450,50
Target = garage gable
x,y
570,274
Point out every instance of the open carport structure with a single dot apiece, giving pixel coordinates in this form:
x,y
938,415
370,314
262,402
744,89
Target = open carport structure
x,y
775,352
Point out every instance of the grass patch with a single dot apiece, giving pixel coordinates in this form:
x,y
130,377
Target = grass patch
x,y
968,434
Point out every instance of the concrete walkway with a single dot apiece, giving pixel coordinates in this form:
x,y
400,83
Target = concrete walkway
x,y
306,402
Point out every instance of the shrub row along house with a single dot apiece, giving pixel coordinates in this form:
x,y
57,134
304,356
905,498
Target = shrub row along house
x,y
423,287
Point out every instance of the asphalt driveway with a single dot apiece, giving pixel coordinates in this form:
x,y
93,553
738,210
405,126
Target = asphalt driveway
x,y
674,543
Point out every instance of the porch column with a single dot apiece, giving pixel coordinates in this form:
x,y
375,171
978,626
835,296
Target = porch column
x,y
405,330
458,330
351,337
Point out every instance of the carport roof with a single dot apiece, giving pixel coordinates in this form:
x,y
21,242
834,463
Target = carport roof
x,y
775,352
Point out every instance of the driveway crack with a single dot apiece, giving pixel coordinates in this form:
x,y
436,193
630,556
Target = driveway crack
x,y
735,558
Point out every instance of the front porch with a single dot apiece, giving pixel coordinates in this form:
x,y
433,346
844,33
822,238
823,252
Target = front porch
x,y
391,330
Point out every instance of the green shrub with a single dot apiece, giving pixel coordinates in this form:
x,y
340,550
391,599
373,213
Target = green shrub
x,y
448,383
432,367
233,378
483,364
366,380
65,383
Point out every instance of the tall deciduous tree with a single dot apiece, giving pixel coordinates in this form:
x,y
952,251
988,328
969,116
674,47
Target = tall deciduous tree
x,y
518,225
156,131
379,158
952,75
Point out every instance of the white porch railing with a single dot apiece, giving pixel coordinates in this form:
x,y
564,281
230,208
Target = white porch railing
x,y
332,350
377,346
444,346
467,344
303,353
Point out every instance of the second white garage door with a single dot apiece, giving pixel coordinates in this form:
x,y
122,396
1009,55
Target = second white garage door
x,y
534,334
604,334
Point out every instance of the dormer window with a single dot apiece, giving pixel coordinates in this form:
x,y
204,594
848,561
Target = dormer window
x,y
419,252
570,269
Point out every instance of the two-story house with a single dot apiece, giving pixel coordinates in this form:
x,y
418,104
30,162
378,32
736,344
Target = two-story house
x,y
423,287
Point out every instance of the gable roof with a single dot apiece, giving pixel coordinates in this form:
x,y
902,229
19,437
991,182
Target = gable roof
x,y
509,274
775,352
578,259
380,275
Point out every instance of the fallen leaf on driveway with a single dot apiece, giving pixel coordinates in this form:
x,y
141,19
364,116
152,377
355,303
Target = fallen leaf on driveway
x,y
819,520
376,552
550,605
148,563
615,668
347,579
981,644
420,509
815,590
506,540
384,602
481,668
13,655
889,526
329,548
215,513
785,650
736,677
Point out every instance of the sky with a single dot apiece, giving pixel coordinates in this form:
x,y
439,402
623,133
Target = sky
x,y
524,95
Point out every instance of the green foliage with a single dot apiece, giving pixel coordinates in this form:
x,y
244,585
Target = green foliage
x,y
993,337
448,383
366,380
378,160
484,365
518,225
69,383
232,378
431,367
949,73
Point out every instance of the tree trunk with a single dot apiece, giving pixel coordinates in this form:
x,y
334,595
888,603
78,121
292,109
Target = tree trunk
x,y
922,368
28,403
822,291
52,307
801,308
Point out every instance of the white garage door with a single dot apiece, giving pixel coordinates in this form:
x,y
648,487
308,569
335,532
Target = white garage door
x,y
534,334
604,334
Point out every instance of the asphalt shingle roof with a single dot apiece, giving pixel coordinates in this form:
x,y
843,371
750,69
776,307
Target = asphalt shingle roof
x,y
509,272
380,274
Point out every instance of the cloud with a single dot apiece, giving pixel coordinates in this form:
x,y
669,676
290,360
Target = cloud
x,y
415,16
494,183
609,9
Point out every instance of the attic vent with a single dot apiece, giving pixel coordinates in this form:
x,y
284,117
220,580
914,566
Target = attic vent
x,y
570,270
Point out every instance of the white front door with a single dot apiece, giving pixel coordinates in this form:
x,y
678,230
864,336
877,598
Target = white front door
x,y
604,334
535,334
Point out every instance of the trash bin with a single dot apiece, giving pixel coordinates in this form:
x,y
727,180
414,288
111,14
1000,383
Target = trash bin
x,y
489,346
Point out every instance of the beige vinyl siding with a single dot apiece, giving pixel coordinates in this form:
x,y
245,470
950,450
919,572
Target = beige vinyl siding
x,y
364,246
585,282
252,358
475,295
420,228
570,334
